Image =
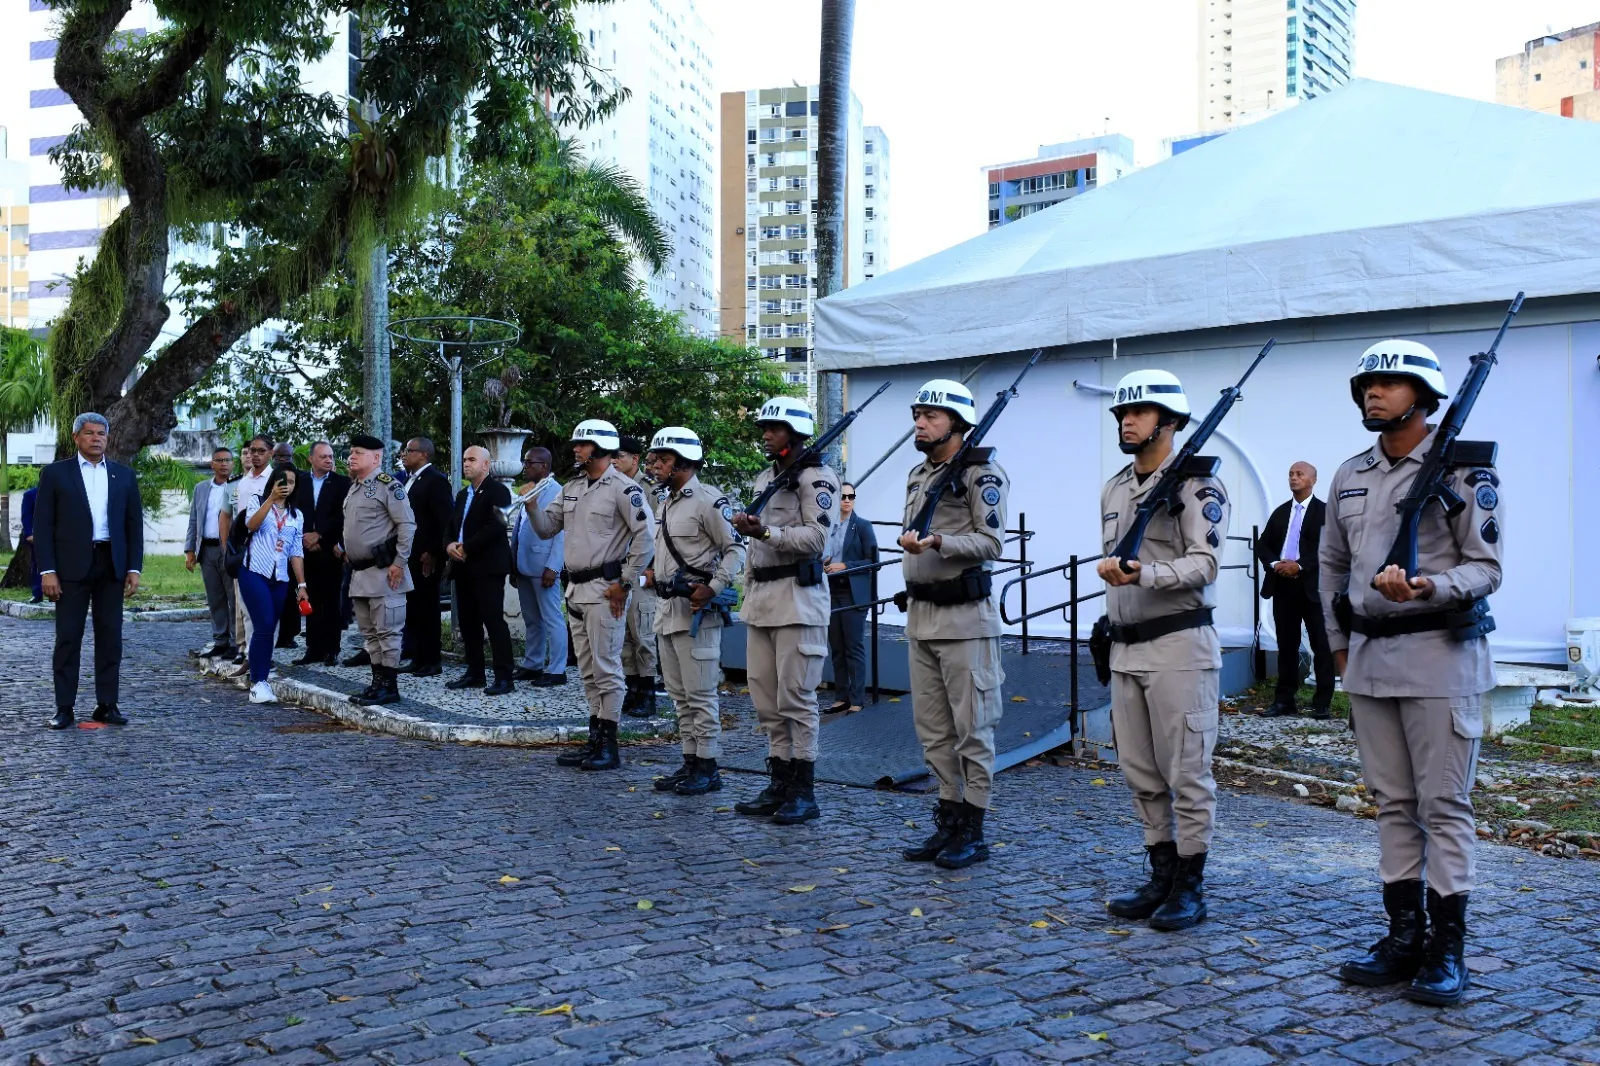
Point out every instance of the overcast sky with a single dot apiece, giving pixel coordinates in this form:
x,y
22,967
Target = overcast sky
x,y
957,85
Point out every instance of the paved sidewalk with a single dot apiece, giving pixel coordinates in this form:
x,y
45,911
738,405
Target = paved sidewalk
x,y
221,882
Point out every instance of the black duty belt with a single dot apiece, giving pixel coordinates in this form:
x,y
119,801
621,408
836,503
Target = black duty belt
x,y
611,571
973,585
210,542
806,572
1463,623
1139,632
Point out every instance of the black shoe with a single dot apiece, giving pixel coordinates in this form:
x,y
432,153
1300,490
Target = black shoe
x,y
286,642
704,778
502,686
35,599
522,673
1442,978
944,818
215,651
331,660
1142,902
630,696
965,845
644,703
241,658
585,753
374,686
769,799
467,680
1281,709
606,755
360,658
386,688
306,660
551,680
672,780
1186,905
107,714
1321,713
63,719
800,798
427,671
1398,956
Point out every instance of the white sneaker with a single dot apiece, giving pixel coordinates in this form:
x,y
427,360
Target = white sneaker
x,y
261,692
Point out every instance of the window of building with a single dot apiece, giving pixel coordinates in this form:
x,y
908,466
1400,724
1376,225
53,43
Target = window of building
x,y
795,181
795,232
772,307
772,281
794,329
794,281
1583,64
866,235
869,216
772,184
872,190
771,233
1538,77
750,160
816,107
794,307
869,170
797,256
769,134
19,232
868,149
749,333
19,262
797,134
1089,175
871,259
750,136
773,110
772,331
795,108
795,207
994,216
750,281
795,355
750,186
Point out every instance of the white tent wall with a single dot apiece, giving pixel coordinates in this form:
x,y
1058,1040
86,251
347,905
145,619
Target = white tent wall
x,y
1056,443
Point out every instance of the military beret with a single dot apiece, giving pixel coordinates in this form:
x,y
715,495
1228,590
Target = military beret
x,y
367,441
631,445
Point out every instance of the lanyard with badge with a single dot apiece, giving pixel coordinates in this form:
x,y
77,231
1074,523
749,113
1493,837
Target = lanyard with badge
x,y
280,517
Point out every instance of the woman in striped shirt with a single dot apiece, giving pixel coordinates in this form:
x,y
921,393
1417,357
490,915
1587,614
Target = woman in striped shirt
x,y
272,553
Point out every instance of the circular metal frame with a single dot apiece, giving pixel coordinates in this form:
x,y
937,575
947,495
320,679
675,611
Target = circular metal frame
x,y
514,331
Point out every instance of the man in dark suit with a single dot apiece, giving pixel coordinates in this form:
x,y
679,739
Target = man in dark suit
x,y
319,497
480,559
1288,551
89,533
432,500
29,499
850,544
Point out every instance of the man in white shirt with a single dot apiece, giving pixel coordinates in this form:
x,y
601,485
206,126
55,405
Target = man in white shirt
x,y
210,515
1287,551
89,534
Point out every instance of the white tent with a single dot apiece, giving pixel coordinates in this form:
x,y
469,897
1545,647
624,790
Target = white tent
x,y
1375,197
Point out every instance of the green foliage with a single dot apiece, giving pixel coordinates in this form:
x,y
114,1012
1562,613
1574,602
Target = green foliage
x,y
158,474
25,391
22,478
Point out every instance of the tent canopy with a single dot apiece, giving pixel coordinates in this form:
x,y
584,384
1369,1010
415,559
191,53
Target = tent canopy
x,y
1376,197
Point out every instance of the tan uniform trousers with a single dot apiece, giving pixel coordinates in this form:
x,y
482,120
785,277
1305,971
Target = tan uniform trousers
x,y
955,705
692,667
639,646
1164,726
380,619
597,638
784,667
1420,758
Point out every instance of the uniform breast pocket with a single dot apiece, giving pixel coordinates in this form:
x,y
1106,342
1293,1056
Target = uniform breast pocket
x,y
1108,531
602,523
1163,529
1352,507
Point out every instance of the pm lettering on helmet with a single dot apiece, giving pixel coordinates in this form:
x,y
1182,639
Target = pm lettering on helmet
x,y
1130,394
1380,361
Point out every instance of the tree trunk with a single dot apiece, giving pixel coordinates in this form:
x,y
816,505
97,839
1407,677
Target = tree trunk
x,y
833,150
5,494
375,390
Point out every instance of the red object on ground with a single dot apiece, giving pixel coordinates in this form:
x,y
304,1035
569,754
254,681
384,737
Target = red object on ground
x,y
91,725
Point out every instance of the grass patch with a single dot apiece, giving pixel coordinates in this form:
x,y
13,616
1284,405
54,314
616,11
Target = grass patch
x,y
163,580
1259,696
1568,727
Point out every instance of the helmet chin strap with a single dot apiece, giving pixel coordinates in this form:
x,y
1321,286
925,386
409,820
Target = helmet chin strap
x,y
1388,425
926,446
1139,446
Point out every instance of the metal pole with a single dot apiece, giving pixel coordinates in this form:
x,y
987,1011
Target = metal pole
x,y
874,610
1022,557
455,417
1258,664
1072,620
884,458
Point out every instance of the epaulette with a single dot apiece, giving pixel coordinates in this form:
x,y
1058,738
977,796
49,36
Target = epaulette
x,y
383,479
236,477
979,456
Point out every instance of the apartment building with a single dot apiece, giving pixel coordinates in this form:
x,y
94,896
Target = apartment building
x,y
1558,74
768,218
13,239
1058,172
1256,55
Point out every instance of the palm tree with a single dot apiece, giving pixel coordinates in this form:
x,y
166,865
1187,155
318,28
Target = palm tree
x,y
616,196
25,395
833,135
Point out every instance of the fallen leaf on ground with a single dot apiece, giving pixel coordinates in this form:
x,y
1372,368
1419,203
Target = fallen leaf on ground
x,y
661,814
1252,941
613,848
721,810
1057,918
565,1008
910,824
1098,781
521,1010
865,902
343,999
841,869
1019,699
146,1040
752,862
327,906
645,905
1040,924
833,928
802,888
509,880
916,912
1119,932
1258,825
1095,1036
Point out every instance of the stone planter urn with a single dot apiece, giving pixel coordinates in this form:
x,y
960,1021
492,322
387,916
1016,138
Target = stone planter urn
x,y
505,452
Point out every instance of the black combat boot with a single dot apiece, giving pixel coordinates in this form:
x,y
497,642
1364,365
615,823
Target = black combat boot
x,y
606,756
769,799
1142,902
389,677
360,658
670,782
374,686
705,777
965,845
1397,956
944,819
1186,905
630,697
800,798
1442,978
585,753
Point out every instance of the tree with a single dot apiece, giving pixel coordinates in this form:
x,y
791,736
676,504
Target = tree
x,y
25,396
833,147
207,128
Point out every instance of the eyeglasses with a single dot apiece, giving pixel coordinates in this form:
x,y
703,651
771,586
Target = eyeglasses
x,y
847,496
260,451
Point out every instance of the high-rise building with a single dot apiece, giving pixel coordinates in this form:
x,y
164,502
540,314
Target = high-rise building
x,y
1558,74
1059,172
662,135
13,239
769,213
1257,55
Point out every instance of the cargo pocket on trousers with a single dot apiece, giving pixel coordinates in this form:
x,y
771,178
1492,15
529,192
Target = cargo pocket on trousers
x,y
1199,742
814,655
1466,716
987,678
707,667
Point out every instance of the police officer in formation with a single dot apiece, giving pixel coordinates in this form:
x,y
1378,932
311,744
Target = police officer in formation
x,y
639,654
1415,660
953,624
1166,658
697,559
378,528
608,545
785,610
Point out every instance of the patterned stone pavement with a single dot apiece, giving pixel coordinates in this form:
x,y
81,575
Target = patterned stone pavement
x,y
220,882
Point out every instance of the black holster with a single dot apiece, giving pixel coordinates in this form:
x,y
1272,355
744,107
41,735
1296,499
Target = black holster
x,y
1100,648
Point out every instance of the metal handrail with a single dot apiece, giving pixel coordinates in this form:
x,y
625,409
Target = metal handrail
x,y
1071,564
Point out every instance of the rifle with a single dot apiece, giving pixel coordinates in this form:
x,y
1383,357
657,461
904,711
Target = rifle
x,y
1445,453
968,453
1188,464
789,477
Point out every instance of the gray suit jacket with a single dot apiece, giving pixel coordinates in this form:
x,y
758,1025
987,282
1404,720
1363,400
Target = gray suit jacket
x,y
197,512
860,548
533,555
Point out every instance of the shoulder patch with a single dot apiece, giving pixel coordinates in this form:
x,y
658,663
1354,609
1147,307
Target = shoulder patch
x,y
383,479
1369,461
1488,498
1213,512
399,491
1347,494
1479,477
1490,531
721,501
727,510
824,520
824,485
638,516
991,495
988,479
1110,516
688,493
1212,538
824,500
911,489
992,520
1210,492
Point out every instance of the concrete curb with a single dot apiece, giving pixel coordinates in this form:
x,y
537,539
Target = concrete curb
x,y
38,612
337,705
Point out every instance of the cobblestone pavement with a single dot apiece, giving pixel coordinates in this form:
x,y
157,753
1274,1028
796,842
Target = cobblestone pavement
x,y
203,887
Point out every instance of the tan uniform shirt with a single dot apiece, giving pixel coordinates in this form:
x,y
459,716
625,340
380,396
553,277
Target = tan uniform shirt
x,y
606,520
972,528
1179,561
1461,554
799,521
375,510
700,519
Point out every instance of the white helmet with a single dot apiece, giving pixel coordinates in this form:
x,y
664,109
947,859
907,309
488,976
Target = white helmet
x,y
600,433
1151,386
948,395
792,411
1400,359
679,440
